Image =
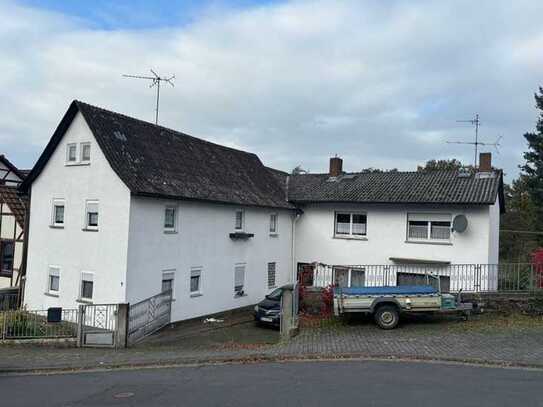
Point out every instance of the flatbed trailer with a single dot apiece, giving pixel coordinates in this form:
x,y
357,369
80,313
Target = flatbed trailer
x,y
387,303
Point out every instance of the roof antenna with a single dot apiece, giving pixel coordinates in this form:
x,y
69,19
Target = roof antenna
x,y
476,122
156,79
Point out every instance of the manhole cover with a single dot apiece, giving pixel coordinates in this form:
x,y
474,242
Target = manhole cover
x,y
124,395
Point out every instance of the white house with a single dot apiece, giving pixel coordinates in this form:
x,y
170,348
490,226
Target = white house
x,y
122,209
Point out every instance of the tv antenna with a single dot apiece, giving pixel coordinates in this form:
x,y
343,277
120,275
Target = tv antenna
x,y
156,79
476,123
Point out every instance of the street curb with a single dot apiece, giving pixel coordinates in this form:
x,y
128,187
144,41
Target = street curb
x,y
267,359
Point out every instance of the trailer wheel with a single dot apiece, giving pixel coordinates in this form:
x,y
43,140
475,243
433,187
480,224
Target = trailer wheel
x,y
387,317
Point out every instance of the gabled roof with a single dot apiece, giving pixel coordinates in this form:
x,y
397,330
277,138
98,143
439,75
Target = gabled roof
x,y
432,187
12,167
17,203
159,162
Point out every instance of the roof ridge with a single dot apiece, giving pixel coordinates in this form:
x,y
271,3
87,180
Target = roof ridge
x,y
176,132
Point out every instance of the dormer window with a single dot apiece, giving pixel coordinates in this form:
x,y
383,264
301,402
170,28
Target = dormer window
x,y
71,153
85,152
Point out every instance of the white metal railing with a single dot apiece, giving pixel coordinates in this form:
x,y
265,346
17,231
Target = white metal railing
x,y
453,277
25,324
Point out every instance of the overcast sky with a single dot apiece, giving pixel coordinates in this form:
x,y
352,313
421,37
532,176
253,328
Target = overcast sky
x,y
380,83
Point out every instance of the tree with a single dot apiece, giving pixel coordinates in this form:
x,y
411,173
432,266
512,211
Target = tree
x,y
440,165
532,170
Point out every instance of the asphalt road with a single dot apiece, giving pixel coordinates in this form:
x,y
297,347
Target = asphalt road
x,y
346,383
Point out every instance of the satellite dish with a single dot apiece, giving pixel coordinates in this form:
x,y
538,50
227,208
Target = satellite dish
x,y
460,223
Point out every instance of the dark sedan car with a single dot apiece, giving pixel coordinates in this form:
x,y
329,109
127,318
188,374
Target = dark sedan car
x,y
268,311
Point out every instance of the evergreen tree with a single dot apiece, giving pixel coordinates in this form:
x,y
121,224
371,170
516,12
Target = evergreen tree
x,y
532,170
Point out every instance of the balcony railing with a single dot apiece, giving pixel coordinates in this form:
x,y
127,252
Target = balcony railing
x,y
508,277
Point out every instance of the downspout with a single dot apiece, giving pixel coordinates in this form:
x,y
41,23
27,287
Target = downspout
x,y
298,213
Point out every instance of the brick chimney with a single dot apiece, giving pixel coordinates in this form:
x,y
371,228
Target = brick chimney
x,y
485,162
336,166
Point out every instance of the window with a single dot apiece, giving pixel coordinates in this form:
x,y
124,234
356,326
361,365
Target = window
x,y
87,286
7,249
271,275
349,277
273,223
167,280
195,281
169,219
85,152
239,219
71,153
239,279
350,224
53,283
91,215
428,227
58,212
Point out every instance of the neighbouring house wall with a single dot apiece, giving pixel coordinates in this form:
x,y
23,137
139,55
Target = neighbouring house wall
x,y
10,230
11,178
494,233
386,236
202,240
102,252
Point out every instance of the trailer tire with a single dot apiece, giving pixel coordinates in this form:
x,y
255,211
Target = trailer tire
x,y
387,316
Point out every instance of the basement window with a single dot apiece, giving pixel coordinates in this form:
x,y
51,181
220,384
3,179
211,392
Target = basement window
x,y
87,286
195,282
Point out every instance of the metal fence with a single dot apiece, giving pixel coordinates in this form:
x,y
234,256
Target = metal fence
x,y
98,324
22,324
507,277
148,316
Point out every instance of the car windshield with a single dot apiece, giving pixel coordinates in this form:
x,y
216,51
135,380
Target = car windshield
x,y
275,295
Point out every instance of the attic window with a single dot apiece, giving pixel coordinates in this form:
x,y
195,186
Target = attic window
x,y
85,152
71,153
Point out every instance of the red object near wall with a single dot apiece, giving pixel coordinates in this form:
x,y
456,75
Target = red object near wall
x,y
537,261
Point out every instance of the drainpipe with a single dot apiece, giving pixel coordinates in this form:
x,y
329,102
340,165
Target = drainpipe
x,y
294,275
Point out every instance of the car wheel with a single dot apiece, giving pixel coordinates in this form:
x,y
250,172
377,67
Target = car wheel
x,y
387,317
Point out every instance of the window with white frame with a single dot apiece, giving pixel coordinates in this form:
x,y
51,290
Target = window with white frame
x,y
168,277
428,227
196,281
271,274
85,149
350,224
239,279
53,280
87,286
273,223
58,212
349,277
239,220
91,214
170,219
71,153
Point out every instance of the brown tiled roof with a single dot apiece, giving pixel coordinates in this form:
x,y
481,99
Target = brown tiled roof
x,y
432,187
16,203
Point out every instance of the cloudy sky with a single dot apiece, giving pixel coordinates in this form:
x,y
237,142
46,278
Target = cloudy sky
x,y
380,83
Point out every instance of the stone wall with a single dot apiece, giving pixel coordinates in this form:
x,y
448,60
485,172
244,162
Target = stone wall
x,y
526,303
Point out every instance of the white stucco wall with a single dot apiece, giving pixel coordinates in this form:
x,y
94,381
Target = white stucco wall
x,y
103,253
202,240
386,236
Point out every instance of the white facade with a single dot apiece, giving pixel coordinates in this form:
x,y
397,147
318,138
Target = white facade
x,y
69,248
201,242
387,235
